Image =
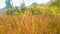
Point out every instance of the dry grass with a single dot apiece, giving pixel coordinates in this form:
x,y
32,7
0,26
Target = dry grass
x,y
30,24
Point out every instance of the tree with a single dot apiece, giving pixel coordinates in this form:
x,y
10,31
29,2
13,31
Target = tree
x,y
8,3
9,8
23,7
35,9
56,3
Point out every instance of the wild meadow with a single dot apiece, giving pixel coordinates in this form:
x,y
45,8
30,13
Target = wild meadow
x,y
33,19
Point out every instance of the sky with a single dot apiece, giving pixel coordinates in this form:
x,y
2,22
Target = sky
x,y
19,2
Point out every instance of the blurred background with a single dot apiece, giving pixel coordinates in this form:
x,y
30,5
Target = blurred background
x,y
15,3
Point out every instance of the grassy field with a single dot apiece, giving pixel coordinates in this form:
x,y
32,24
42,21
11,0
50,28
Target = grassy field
x,y
34,19
29,24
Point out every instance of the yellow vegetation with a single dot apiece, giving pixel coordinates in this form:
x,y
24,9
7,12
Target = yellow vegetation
x,y
37,20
